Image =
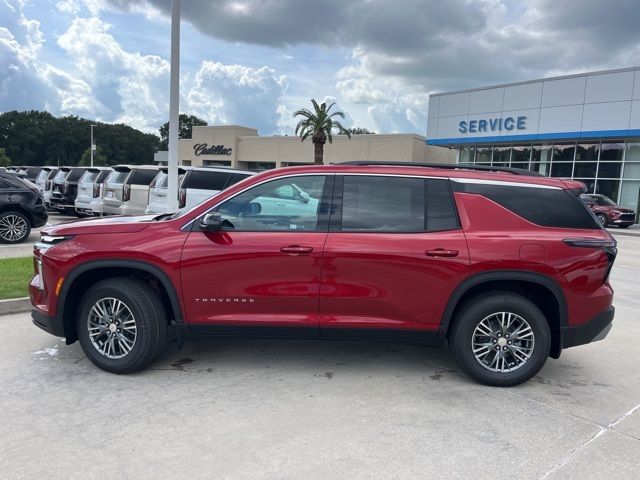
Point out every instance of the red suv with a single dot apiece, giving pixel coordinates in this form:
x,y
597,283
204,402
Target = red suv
x,y
609,212
507,266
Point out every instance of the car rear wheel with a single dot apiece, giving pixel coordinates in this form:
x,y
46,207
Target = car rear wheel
x,y
602,218
121,325
15,227
500,339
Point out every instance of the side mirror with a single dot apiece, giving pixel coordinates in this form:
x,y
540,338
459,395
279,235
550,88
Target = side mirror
x,y
211,222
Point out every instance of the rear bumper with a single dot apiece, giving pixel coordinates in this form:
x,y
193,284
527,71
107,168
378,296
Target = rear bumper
x,y
52,325
595,329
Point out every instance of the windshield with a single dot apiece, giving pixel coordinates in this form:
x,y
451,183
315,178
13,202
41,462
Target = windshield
x,y
604,201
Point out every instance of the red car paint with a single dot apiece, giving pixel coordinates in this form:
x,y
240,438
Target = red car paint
x,y
339,280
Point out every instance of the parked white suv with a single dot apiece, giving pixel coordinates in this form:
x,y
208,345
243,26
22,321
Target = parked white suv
x,y
126,189
196,184
90,190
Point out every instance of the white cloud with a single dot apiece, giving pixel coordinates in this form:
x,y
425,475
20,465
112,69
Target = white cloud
x,y
236,94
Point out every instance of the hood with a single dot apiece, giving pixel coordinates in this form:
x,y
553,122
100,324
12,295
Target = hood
x,y
131,224
614,207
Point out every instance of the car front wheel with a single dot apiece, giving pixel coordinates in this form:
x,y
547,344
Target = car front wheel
x,y
14,227
500,339
602,218
121,325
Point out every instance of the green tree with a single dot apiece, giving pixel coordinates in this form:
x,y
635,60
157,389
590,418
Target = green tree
x,y
39,138
360,131
5,161
99,158
319,125
186,122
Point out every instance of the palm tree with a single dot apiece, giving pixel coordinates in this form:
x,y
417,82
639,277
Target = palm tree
x,y
319,126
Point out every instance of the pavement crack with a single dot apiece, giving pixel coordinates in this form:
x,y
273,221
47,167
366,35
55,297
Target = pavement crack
x,y
580,448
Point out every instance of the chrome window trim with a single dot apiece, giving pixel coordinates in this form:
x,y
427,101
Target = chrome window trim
x,y
503,183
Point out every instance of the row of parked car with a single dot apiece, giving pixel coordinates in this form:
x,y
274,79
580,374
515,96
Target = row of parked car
x,y
98,191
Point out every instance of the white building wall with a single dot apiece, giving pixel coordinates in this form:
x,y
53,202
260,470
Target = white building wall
x,y
590,105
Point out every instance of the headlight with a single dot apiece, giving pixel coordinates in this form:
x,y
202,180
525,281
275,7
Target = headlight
x,y
48,241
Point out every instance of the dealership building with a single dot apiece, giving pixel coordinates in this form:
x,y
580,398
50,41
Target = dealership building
x,y
585,127
242,147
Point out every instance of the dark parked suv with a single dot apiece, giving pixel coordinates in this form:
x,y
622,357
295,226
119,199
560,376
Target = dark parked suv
x,y
21,208
65,189
508,267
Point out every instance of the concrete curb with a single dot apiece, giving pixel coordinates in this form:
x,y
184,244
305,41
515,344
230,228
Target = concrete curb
x,y
15,305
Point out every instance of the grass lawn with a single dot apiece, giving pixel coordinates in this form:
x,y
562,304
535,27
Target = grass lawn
x,y
15,275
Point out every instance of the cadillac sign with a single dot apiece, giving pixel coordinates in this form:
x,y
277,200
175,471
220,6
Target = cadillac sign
x,y
204,149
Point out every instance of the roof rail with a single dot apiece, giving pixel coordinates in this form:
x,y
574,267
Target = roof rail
x,y
448,166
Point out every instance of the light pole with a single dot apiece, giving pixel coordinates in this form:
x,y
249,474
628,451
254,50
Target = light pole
x,y
93,146
174,108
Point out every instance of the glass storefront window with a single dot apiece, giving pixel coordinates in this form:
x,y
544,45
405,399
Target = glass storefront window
x,y
466,155
585,169
541,153
501,156
608,188
590,183
587,152
611,151
562,169
521,155
483,156
607,169
633,152
631,170
563,152
630,195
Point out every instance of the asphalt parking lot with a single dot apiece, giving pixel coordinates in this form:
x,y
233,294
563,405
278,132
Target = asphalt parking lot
x,y
317,410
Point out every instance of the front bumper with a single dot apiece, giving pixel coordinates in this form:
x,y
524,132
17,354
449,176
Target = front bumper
x,y
49,324
592,331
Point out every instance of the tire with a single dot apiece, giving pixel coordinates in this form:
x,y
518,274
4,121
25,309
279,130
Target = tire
x,y
467,328
602,218
15,227
144,305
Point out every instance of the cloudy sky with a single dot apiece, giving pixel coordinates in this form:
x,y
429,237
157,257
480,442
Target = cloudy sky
x,y
253,62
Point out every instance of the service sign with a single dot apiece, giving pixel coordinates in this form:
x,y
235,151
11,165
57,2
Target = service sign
x,y
498,124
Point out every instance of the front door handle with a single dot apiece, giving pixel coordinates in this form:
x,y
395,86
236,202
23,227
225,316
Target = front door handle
x,y
296,250
441,252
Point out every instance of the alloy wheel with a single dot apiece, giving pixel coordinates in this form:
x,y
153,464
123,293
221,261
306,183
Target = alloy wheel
x,y
112,328
13,228
503,342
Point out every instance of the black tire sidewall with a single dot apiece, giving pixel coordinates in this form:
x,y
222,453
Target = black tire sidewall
x,y
148,316
480,307
25,218
606,220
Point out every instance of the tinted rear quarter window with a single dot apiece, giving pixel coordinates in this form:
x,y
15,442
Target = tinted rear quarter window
x,y
142,176
202,180
547,207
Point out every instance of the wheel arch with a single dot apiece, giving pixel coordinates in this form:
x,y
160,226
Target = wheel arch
x,y
82,277
14,207
541,289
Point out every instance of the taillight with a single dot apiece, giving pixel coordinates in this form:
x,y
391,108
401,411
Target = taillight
x,y
65,187
96,190
182,197
608,246
47,185
126,192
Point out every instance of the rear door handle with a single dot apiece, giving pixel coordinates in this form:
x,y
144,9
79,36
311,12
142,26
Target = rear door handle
x,y
296,250
441,252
